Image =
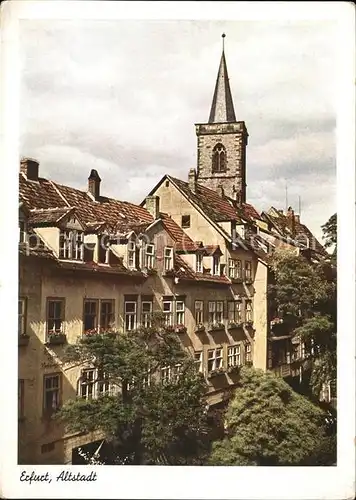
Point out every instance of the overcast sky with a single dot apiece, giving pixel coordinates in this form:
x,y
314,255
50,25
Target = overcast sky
x,y
123,97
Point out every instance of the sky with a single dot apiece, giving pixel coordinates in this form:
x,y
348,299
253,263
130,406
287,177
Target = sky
x,y
123,96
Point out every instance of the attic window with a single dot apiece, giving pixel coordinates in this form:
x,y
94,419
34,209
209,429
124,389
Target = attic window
x,y
185,221
166,184
71,245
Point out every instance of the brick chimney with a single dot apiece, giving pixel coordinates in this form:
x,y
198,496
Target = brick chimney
x,y
30,167
94,184
220,190
152,206
192,180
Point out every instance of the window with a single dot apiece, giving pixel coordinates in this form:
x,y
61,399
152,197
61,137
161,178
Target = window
x,y
215,359
22,315
219,158
198,360
55,316
185,221
234,312
248,270
150,256
51,393
90,315
93,383
248,357
71,245
106,314
234,356
46,448
168,259
146,318
170,373
216,312
104,249
199,312
180,312
248,311
146,380
199,263
216,264
130,315
168,313
22,231
234,269
21,398
131,254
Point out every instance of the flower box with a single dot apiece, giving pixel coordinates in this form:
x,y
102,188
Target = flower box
x,y
180,329
169,328
216,373
233,369
248,324
24,339
232,325
56,338
150,271
248,363
200,328
169,273
216,327
248,281
236,280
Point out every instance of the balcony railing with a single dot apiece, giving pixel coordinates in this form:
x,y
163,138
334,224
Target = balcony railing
x,y
54,338
215,327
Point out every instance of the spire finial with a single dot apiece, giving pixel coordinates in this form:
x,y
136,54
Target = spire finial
x,y
223,40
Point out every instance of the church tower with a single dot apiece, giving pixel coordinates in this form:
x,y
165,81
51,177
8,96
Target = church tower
x,y
222,143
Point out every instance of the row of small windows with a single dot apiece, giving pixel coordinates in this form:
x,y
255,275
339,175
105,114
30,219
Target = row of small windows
x,y
100,313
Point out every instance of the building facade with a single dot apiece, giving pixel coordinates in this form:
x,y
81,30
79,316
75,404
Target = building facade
x,y
194,250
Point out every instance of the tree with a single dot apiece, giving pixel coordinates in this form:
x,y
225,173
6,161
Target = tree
x,y
304,295
145,420
267,423
330,233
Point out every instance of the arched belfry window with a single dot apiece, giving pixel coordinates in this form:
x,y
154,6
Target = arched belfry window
x,y
219,158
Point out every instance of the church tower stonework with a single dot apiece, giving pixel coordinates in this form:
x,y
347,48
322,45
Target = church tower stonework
x,y
222,143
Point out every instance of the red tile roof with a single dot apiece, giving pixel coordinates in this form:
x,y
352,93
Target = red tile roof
x,y
44,194
182,240
216,207
47,216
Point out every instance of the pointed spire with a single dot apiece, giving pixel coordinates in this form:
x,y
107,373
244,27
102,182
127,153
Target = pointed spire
x,y
222,108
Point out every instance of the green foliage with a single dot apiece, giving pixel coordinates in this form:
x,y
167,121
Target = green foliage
x,y
145,423
330,232
267,423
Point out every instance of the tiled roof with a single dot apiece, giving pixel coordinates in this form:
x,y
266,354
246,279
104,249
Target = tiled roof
x,y
47,216
212,249
182,240
117,269
283,224
216,207
183,271
44,194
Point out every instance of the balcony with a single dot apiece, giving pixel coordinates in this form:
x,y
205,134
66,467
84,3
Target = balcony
x,y
24,339
287,369
233,370
180,329
56,338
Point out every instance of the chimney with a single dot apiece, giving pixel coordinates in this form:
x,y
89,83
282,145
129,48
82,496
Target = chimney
x,y
152,206
291,219
297,218
220,190
29,167
94,184
192,180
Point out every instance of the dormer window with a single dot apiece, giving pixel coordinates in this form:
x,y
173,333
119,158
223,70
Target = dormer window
x,y
185,221
131,254
71,245
199,263
219,158
168,258
150,256
216,264
104,249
